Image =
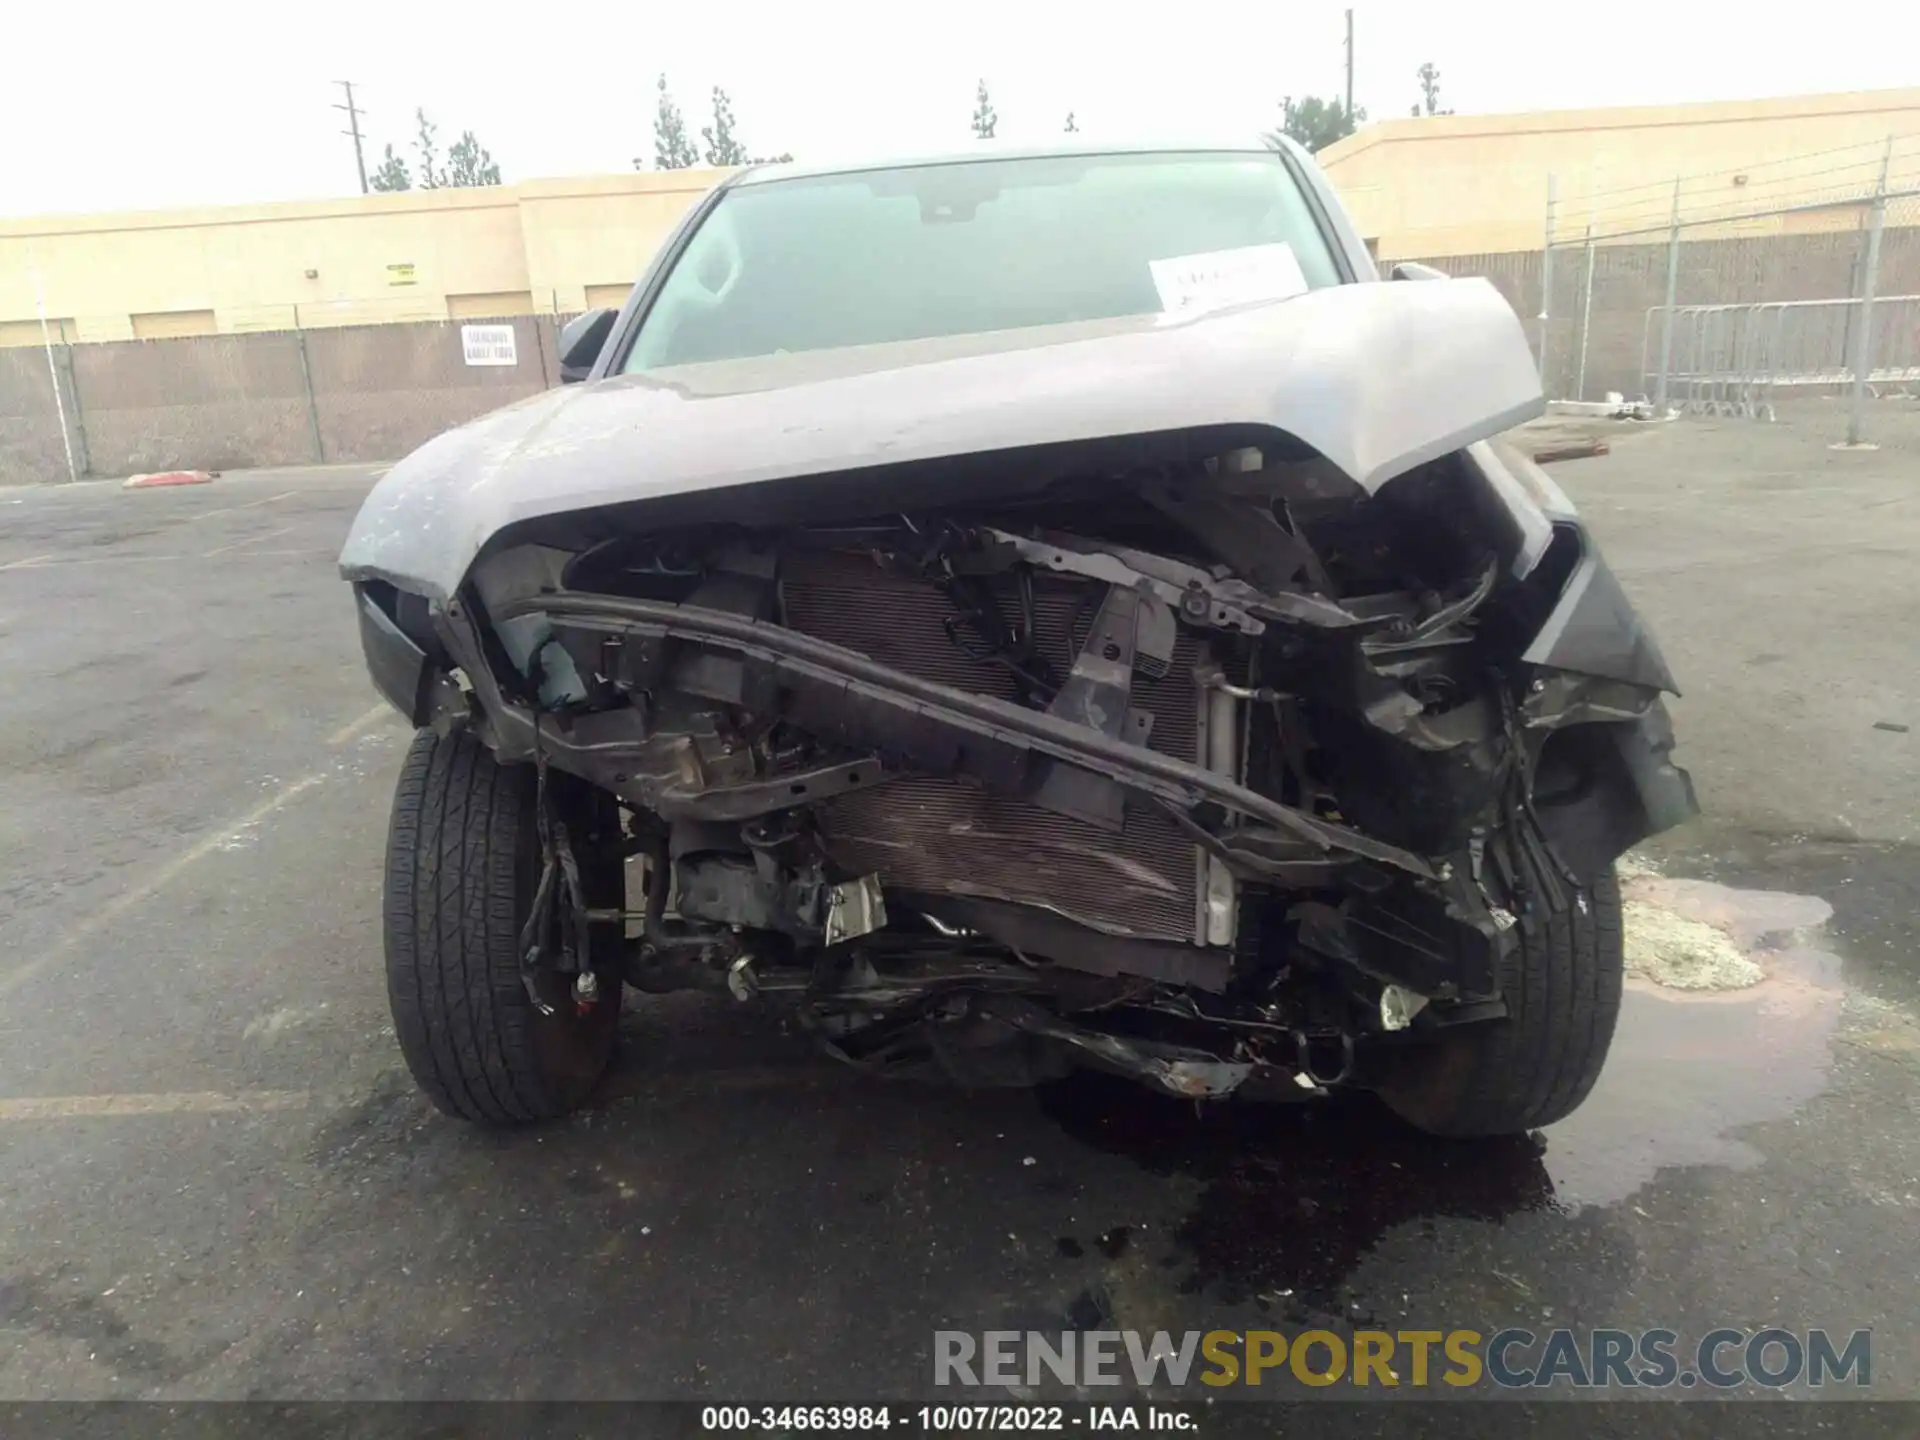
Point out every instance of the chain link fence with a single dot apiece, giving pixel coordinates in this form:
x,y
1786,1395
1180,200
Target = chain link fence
x,y
1790,289
34,439
236,401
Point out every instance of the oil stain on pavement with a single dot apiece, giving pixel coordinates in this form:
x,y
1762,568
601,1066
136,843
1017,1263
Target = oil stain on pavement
x,y
1690,1067
1292,1198
1295,1195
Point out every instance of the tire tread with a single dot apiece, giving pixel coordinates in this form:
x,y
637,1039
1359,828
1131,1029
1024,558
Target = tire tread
x,y
1562,986
459,876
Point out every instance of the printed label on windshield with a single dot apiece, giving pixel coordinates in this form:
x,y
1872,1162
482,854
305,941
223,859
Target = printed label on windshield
x,y
1192,283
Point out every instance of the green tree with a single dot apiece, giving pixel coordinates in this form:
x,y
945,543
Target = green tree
x,y
391,174
984,118
1071,128
433,175
1429,75
470,163
1314,122
672,149
723,146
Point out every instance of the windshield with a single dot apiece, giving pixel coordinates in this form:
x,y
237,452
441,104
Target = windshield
x,y
820,262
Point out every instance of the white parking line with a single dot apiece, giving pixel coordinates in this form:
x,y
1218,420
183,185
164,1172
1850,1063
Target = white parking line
x,y
361,725
189,1102
249,540
57,562
51,562
232,509
11,980
30,560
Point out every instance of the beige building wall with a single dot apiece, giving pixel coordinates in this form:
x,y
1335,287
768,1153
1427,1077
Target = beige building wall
x,y
591,237
540,246
1477,184
1419,188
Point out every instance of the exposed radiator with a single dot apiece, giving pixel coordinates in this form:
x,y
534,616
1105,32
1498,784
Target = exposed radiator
x,y
949,837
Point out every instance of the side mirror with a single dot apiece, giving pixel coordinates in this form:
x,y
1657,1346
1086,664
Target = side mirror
x,y
581,340
1414,270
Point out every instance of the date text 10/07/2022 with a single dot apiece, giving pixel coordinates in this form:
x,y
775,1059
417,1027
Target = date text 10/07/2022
x,y
947,1419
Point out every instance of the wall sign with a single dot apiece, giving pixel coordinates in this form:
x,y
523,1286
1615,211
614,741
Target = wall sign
x,y
488,345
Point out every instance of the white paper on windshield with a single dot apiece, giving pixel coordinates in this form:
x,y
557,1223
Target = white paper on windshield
x,y
1192,283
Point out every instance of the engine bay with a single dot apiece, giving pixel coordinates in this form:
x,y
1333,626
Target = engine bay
x,y
1201,772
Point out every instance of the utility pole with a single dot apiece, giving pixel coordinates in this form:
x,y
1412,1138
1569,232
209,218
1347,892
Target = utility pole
x,y
1349,67
53,370
353,121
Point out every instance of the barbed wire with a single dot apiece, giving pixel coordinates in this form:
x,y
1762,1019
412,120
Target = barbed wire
x,y
1875,146
1831,186
1836,202
1865,175
1867,170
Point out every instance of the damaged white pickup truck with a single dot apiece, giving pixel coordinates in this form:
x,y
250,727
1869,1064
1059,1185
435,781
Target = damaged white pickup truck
x,y
1018,612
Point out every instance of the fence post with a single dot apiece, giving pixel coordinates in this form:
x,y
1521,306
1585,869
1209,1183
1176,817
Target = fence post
x,y
1673,290
1586,318
53,372
79,418
1546,276
540,323
1863,332
313,410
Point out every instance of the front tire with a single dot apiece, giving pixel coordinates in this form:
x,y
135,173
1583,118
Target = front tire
x,y
463,862
1561,985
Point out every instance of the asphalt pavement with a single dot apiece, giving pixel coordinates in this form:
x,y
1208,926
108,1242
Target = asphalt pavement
x,y
217,1181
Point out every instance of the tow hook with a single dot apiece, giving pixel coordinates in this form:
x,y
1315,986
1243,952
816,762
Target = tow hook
x,y
1312,1047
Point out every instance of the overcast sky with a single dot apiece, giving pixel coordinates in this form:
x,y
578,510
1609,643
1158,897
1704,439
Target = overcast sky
x,y
205,101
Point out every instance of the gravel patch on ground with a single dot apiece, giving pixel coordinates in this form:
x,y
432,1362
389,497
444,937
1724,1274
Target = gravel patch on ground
x,y
1682,954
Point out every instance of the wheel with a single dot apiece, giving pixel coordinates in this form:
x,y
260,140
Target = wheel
x,y
463,862
1498,1077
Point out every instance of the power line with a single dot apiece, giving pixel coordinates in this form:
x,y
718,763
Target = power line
x,y
353,121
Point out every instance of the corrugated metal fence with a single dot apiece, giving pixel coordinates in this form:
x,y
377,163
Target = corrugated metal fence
x,y
224,402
